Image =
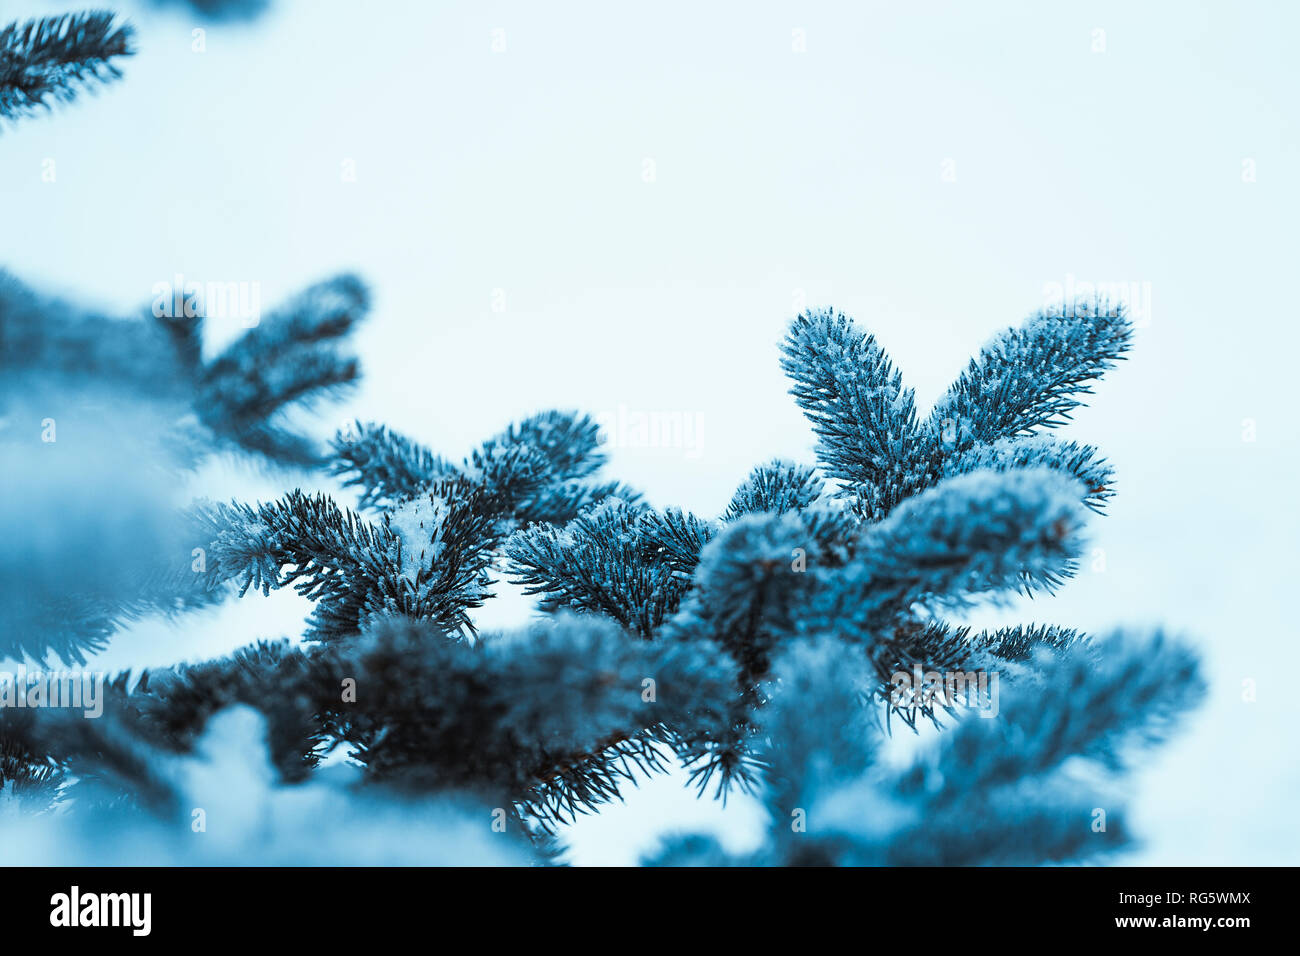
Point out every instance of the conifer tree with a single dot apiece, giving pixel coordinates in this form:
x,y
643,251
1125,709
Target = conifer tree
x,y
761,649
770,649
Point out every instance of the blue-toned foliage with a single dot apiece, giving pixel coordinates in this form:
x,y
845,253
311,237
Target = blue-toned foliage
x,y
51,59
761,648
771,648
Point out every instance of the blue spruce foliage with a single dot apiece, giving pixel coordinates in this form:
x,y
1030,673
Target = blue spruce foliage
x,y
772,649
761,649
51,59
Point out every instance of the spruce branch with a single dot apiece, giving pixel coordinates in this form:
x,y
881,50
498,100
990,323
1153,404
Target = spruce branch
x,y
427,560
1082,462
1018,775
847,386
930,646
601,562
51,59
749,599
290,359
778,487
1100,706
753,648
555,718
67,345
748,594
1025,643
675,538
106,757
563,452
561,502
1039,822
912,645
539,469
388,468
1033,376
974,534
27,777
569,442
796,744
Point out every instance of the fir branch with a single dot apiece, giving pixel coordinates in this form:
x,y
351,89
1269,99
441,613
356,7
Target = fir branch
x,y
536,469
1096,706
864,419
445,523
554,719
388,468
106,757
1024,643
1007,774
60,342
1082,462
563,501
749,598
601,562
569,442
977,533
749,594
349,566
936,647
27,777
700,639
1031,377
557,452
52,59
289,359
675,538
246,541
797,742
778,487
1039,822
446,543
930,645
172,706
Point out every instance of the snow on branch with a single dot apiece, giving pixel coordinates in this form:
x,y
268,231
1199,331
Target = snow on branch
x,y
847,386
1033,376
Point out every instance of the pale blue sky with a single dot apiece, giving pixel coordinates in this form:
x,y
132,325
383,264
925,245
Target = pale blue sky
x,y
779,177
